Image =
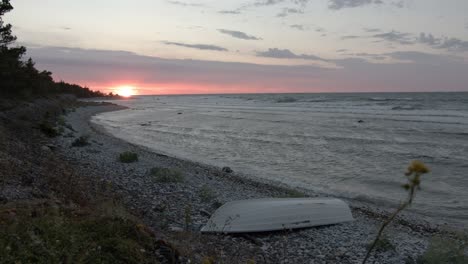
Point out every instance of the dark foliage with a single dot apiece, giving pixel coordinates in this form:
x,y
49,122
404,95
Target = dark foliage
x,y
128,157
21,79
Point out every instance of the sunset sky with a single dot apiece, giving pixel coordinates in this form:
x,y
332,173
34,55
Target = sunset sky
x,y
249,46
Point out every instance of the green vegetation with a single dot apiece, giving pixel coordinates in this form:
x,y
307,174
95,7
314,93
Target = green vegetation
x,y
81,141
48,129
443,250
188,216
383,244
167,175
206,194
50,233
19,78
128,157
413,176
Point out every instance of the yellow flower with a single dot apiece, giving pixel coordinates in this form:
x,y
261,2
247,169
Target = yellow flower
x,y
418,167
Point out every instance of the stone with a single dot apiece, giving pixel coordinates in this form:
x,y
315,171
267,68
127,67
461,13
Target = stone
x,y
205,213
46,149
176,229
227,170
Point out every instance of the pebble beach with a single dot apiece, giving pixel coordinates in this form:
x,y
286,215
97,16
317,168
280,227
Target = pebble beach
x,y
165,206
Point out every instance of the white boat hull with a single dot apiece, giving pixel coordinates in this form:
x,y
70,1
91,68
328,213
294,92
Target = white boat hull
x,y
272,214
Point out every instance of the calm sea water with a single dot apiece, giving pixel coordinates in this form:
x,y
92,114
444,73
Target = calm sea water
x,y
351,145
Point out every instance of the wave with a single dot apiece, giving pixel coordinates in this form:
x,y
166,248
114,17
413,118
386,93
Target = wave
x,y
391,99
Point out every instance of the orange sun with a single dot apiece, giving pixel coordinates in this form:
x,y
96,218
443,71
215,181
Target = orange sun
x,y
125,91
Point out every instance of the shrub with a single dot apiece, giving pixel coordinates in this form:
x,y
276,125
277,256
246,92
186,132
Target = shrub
x,y
167,175
206,194
413,181
81,141
61,121
383,244
128,157
55,234
48,129
446,250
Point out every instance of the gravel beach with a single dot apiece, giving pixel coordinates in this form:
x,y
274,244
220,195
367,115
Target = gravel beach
x,y
170,207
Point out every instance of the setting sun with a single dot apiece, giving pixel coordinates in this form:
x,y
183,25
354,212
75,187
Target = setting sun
x,y
125,91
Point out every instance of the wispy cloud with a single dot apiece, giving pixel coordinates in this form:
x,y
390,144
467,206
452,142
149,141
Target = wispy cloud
x,y
267,2
196,46
230,12
180,3
288,11
372,30
292,6
286,54
238,34
396,36
340,4
298,27
350,37
452,44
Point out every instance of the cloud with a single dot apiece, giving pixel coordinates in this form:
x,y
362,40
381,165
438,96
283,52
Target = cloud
x,y
238,34
319,29
180,3
286,54
396,36
196,46
230,12
453,44
267,2
298,27
450,44
372,30
107,68
340,4
287,11
399,4
447,43
350,37
428,39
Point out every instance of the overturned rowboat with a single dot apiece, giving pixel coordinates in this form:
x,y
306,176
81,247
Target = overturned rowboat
x,y
273,214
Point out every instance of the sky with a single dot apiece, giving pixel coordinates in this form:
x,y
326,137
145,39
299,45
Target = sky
x,y
248,46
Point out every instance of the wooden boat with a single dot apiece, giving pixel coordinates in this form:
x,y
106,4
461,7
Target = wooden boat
x,y
272,214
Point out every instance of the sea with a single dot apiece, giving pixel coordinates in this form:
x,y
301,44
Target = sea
x,y
353,145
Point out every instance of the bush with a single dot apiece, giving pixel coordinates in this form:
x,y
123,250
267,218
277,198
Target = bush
x,y
383,244
206,194
128,157
446,250
48,129
167,175
81,141
55,234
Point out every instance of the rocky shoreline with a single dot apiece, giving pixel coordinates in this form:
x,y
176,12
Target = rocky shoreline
x,y
178,210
